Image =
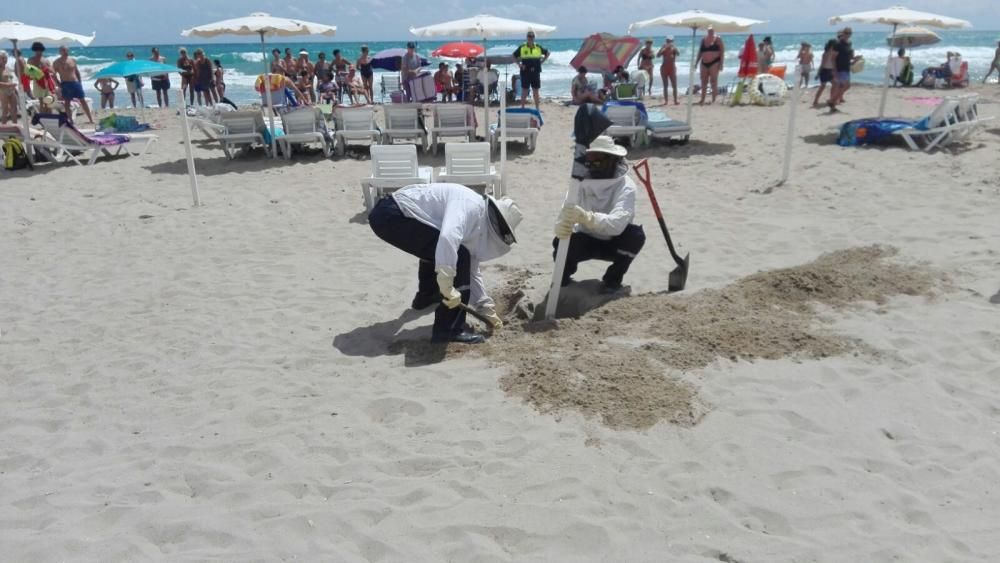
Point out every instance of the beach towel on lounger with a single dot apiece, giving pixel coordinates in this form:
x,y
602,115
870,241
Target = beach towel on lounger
x,y
103,139
871,131
644,115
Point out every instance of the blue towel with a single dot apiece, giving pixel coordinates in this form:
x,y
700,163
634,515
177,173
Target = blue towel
x,y
530,111
870,131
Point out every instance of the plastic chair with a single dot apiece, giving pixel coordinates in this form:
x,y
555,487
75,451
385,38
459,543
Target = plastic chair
x,y
469,164
452,121
393,167
304,125
355,124
403,122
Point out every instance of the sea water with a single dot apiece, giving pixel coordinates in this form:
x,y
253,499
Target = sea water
x,y
243,62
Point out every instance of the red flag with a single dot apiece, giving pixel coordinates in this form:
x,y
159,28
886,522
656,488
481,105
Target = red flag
x,y
748,59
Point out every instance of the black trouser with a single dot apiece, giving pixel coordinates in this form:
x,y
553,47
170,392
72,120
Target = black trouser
x,y
620,251
420,240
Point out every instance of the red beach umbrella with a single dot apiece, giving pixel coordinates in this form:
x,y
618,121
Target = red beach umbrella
x,y
458,50
748,59
605,52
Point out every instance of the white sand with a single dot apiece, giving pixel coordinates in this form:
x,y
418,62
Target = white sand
x,y
233,382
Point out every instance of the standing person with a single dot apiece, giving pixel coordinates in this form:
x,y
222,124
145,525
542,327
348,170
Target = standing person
x,y
133,83
646,56
220,80
19,68
668,68
443,82
277,65
44,85
364,64
711,56
451,229
995,65
339,65
600,226
8,92
161,82
842,62
826,69
70,84
203,78
303,64
765,56
805,58
288,63
324,77
410,68
530,57
186,64
107,87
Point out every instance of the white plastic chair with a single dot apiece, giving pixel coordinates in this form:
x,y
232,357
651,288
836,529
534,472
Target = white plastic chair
x,y
390,83
242,129
304,125
402,121
355,124
519,126
393,167
625,123
968,112
64,141
451,121
469,164
942,126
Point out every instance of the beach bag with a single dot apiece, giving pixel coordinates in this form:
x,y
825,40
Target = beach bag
x,y
15,157
906,77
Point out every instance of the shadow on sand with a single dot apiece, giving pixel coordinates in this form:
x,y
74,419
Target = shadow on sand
x,y
388,339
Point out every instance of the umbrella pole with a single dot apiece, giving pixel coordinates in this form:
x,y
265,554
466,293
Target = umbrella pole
x,y
503,137
22,104
269,95
694,60
192,175
486,92
885,81
796,93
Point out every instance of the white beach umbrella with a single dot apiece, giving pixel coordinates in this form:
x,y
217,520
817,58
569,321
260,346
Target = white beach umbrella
x,y
898,16
695,20
264,25
19,32
485,26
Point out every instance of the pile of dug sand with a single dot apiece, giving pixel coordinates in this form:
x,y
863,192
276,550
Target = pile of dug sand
x,y
614,364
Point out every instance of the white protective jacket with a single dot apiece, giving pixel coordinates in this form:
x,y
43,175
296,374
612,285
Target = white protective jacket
x,y
612,201
461,216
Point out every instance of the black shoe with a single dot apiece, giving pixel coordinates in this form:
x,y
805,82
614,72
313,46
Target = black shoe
x,y
425,300
461,338
610,289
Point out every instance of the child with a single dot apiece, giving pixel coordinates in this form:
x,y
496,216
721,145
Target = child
x,y
826,67
805,59
107,87
220,81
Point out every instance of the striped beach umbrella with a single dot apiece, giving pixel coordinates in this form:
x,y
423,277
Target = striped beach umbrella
x,y
605,52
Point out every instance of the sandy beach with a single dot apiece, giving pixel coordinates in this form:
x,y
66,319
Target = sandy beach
x,y
243,381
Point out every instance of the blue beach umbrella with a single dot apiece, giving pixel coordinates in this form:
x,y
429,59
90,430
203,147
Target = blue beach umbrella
x,y
392,60
146,68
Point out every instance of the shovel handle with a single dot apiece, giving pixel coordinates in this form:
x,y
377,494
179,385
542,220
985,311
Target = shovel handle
x,y
641,169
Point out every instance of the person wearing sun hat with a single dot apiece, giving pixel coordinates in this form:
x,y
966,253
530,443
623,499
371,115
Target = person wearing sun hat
x,y
600,225
451,229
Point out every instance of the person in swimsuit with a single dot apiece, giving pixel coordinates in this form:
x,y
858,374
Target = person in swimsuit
x,y
805,58
160,82
220,80
288,63
339,65
277,65
711,55
107,87
995,65
825,75
187,75
41,87
364,65
646,56
765,56
70,83
304,64
668,68
203,83
8,92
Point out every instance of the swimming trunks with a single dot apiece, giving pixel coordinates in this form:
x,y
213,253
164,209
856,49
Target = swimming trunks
x,y
825,75
72,90
159,83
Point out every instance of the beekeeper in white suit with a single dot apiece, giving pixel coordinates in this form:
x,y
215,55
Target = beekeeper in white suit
x,y
600,225
451,229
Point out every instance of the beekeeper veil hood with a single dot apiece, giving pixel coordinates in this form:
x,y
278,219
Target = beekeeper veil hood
x,y
502,217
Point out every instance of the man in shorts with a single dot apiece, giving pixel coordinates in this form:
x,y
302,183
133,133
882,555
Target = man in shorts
x,y
530,56
133,83
842,68
70,83
160,82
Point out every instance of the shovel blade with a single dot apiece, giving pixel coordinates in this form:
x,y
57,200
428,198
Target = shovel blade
x,y
679,275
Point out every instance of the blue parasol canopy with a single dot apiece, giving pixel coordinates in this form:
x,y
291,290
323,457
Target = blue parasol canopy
x,y
135,67
392,60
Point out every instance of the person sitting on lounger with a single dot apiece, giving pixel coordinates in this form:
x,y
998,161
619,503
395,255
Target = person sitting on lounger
x,y
931,74
581,89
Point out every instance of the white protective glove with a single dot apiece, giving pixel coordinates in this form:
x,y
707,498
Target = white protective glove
x,y
446,283
564,228
577,214
490,312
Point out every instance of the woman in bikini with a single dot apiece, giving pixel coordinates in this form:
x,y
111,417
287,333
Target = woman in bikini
x,y
646,56
186,64
710,55
668,69
364,66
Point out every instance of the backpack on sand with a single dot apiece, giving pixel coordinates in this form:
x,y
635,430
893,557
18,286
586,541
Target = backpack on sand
x,y
15,157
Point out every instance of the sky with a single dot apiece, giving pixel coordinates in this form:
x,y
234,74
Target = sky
x,y
144,22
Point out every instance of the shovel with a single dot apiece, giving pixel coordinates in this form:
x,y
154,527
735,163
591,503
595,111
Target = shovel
x,y
679,275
